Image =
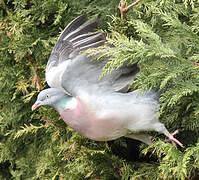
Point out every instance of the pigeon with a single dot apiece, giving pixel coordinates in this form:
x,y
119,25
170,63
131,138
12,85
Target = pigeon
x,y
101,109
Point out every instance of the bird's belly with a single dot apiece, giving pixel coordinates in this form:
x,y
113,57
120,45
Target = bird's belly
x,y
105,130
92,126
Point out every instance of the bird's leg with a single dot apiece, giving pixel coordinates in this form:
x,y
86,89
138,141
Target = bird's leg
x,y
162,129
173,133
173,140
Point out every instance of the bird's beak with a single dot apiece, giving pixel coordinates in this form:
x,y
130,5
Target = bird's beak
x,y
34,106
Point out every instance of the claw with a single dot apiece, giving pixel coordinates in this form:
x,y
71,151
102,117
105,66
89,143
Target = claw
x,y
173,140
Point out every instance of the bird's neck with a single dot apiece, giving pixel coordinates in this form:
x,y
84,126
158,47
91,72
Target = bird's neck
x,y
66,103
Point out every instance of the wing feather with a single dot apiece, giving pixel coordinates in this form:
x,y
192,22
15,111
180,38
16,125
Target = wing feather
x,y
93,45
76,23
83,29
82,36
89,40
70,69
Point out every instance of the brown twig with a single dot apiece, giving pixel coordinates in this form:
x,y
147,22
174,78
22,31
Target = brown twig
x,y
37,80
124,8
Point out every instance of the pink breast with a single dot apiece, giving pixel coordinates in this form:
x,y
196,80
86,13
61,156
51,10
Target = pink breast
x,y
78,119
90,125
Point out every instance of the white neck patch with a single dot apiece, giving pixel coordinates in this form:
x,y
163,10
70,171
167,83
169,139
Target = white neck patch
x,y
72,104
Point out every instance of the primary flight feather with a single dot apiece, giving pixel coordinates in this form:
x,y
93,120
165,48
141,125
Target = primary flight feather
x,y
102,109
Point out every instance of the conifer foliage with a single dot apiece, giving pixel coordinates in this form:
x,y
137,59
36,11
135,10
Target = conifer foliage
x,y
161,36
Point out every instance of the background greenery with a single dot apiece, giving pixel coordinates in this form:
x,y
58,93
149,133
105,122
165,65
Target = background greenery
x,y
162,36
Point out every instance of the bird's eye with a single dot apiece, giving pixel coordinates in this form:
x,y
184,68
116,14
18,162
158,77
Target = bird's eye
x,y
47,96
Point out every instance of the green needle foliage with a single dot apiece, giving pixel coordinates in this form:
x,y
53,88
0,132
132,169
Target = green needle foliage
x,y
161,36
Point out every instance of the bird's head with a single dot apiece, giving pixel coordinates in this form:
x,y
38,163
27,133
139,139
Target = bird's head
x,y
50,97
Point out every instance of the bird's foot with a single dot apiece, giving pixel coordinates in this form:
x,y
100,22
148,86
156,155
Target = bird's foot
x,y
173,140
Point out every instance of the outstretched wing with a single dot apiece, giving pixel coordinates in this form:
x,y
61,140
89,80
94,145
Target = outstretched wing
x,y
75,38
83,76
70,69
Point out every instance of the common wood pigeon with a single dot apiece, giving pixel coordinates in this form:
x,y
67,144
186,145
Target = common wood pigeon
x,y
100,109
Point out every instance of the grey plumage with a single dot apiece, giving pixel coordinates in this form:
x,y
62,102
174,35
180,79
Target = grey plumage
x,y
98,109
